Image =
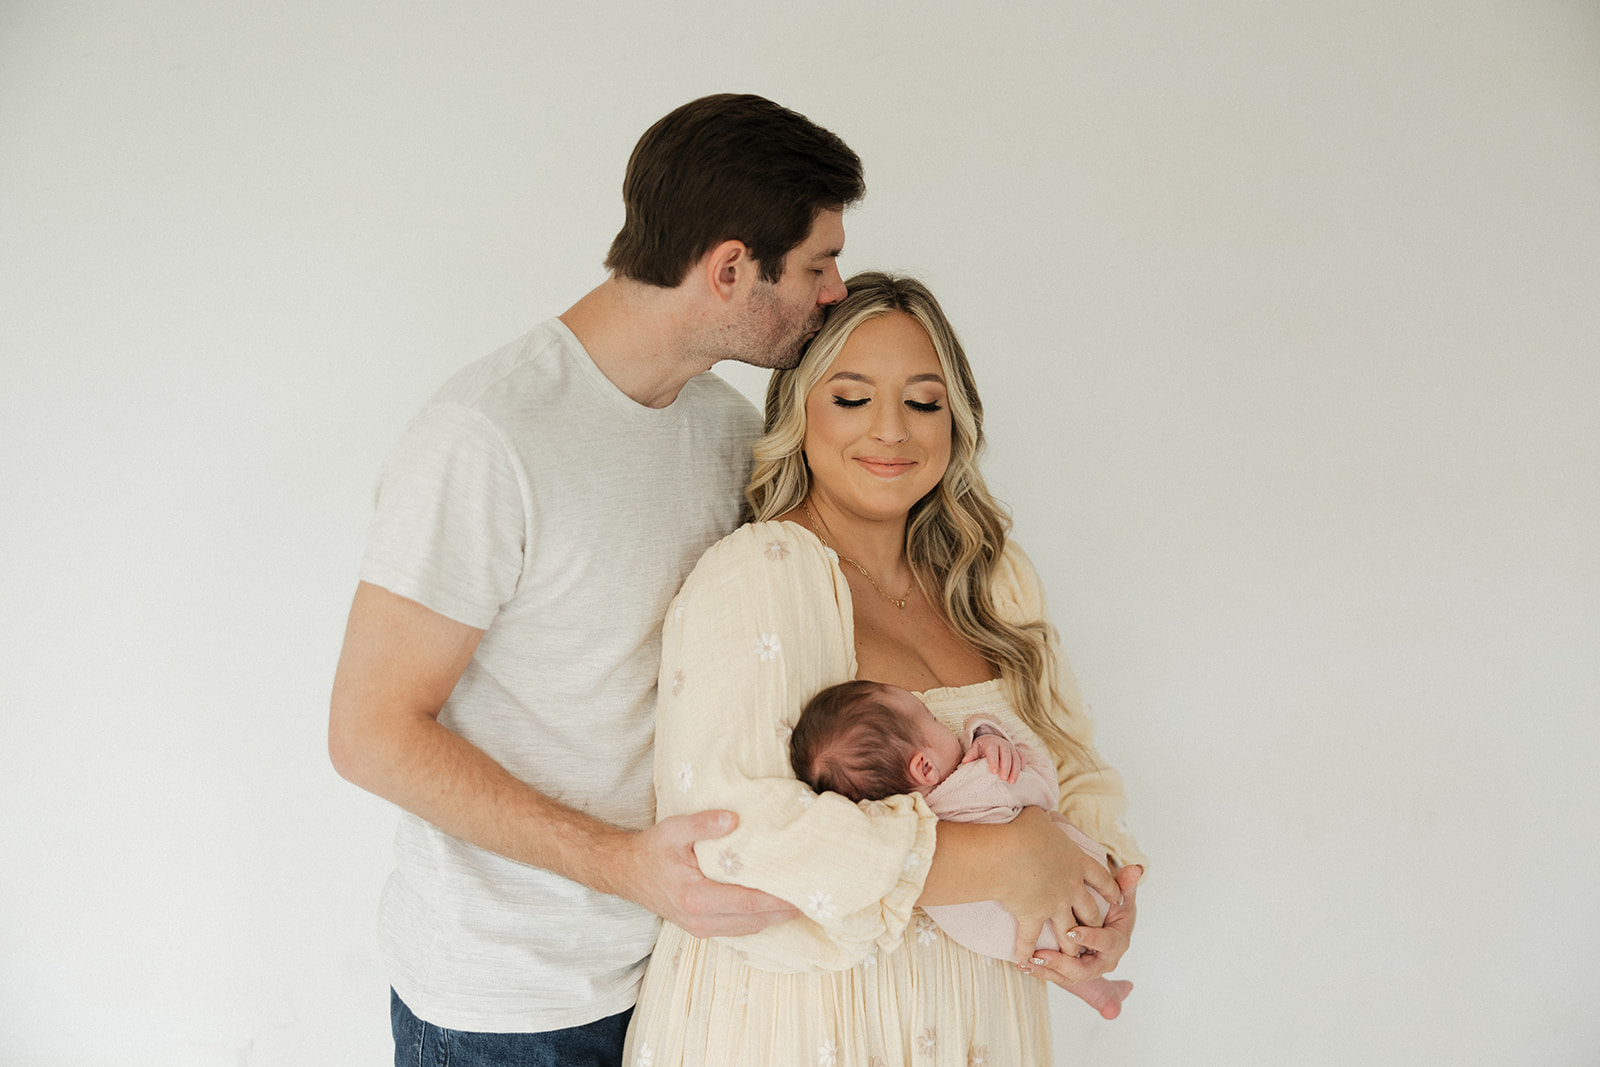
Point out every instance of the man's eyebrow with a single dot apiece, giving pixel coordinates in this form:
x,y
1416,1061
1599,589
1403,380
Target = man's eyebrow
x,y
832,253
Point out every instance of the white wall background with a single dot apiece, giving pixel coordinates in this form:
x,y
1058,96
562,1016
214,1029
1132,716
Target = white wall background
x,y
1288,320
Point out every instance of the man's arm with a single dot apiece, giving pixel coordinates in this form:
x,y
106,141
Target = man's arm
x,y
399,663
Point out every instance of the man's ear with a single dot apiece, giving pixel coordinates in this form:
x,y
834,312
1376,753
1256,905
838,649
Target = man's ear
x,y
923,772
726,268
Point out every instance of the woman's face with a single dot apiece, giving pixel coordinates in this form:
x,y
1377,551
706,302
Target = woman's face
x,y
878,423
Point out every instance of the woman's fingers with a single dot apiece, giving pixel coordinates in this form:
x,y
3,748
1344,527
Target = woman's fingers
x,y
1062,969
1111,940
1027,937
1105,883
1107,943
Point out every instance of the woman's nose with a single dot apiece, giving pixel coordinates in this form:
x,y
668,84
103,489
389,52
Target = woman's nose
x,y
890,428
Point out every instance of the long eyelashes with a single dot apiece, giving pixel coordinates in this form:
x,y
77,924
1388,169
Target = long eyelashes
x,y
927,408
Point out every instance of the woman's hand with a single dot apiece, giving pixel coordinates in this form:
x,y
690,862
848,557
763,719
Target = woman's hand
x,y
1101,947
1044,876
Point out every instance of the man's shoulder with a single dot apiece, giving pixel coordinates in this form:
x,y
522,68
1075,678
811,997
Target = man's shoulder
x,y
515,366
713,397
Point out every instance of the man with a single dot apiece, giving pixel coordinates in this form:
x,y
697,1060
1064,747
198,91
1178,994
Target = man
x,y
497,679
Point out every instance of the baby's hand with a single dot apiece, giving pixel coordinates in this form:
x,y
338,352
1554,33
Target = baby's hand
x,y
1001,754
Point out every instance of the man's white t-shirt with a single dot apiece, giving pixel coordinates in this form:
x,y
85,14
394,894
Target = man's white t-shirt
x,y
534,500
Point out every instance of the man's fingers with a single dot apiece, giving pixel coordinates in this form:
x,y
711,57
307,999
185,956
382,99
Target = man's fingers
x,y
718,899
719,910
685,830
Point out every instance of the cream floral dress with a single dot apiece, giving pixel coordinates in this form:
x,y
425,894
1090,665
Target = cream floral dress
x,y
864,977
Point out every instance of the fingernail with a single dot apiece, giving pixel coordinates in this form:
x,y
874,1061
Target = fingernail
x,y
725,821
1074,935
1037,961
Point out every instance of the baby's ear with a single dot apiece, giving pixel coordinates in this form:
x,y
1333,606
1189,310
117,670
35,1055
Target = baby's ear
x,y
923,772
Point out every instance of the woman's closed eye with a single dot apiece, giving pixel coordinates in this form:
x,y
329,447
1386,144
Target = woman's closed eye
x,y
925,406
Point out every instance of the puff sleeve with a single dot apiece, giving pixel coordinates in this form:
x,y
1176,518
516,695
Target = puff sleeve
x,y
1092,796
761,625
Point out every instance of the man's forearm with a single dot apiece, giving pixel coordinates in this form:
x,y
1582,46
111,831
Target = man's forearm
x,y
439,776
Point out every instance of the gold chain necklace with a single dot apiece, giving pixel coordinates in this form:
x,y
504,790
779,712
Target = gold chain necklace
x,y
899,601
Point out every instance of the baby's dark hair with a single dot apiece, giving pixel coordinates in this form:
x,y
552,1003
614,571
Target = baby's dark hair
x,y
849,741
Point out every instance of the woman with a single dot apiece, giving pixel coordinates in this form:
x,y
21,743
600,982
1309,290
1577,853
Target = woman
x,y
876,552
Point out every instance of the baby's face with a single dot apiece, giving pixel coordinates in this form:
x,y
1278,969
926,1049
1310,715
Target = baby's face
x,y
942,746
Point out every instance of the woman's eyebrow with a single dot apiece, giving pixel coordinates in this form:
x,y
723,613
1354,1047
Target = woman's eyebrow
x,y
854,376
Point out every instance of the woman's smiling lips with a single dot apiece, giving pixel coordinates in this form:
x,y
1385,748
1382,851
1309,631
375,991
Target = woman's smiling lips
x,y
885,467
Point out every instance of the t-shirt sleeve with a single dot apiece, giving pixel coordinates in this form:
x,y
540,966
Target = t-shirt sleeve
x,y
756,630
1091,792
450,524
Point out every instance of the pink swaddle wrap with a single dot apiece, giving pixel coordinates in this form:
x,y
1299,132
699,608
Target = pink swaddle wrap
x,y
973,793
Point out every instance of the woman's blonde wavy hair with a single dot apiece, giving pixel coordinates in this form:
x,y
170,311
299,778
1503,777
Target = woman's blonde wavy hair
x,y
956,533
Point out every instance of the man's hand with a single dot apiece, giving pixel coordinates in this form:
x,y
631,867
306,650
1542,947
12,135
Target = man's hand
x,y
1101,946
666,879
399,663
1001,754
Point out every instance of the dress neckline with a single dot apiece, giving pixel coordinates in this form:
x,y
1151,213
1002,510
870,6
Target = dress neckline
x,y
842,588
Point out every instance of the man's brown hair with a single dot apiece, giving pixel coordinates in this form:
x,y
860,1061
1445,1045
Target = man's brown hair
x,y
851,742
728,167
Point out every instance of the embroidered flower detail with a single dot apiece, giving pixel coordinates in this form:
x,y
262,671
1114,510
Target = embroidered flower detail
x,y
1122,826
875,807
821,904
677,959
742,956
912,862
685,777
767,646
785,731
646,1057
870,961
831,554
677,682
730,862
925,929
978,1056
807,797
827,1053
777,550
677,610
927,1041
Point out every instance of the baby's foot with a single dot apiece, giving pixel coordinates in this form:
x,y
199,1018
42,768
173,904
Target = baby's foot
x,y
1103,995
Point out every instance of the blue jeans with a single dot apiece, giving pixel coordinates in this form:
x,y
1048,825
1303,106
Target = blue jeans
x,y
420,1044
